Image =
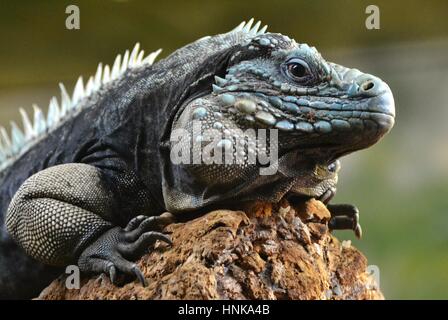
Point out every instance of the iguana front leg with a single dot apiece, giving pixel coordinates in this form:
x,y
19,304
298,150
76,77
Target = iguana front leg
x,y
65,215
343,216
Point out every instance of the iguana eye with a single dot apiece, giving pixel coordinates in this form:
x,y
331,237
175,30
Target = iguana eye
x,y
297,69
334,166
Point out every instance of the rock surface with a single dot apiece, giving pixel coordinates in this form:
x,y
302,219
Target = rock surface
x,y
269,252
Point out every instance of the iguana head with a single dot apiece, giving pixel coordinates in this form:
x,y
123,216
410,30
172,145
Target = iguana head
x,y
320,108
320,111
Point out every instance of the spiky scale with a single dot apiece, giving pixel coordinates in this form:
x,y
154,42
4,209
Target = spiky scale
x,y
90,86
78,92
151,57
17,137
5,139
134,54
262,30
3,149
65,100
53,113
39,120
106,74
140,57
124,63
28,127
254,30
239,27
98,76
248,25
116,67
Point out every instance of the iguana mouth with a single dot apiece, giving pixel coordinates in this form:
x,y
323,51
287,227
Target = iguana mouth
x,y
303,115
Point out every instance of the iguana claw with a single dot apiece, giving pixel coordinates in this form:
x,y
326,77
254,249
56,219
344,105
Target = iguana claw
x,y
344,217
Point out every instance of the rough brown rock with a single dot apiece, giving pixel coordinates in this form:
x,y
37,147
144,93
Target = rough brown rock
x,y
269,252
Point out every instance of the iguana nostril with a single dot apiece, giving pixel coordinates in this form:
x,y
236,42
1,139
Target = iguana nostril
x,y
366,86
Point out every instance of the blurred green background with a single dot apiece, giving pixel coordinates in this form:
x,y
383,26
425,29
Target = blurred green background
x,y
400,185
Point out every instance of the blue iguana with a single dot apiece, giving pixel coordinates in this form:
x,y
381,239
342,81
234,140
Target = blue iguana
x,y
91,182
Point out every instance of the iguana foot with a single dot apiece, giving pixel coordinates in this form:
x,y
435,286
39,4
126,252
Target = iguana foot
x,y
344,217
115,250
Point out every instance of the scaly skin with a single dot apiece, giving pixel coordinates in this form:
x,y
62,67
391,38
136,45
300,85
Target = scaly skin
x,y
93,191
